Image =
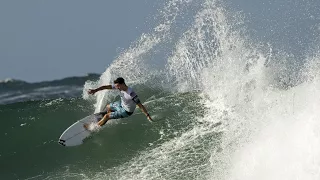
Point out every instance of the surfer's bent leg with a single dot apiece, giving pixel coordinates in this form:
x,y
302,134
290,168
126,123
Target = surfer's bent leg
x,y
108,108
113,106
115,111
104,119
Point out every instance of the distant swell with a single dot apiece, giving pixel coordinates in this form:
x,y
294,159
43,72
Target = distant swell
x,y
18,91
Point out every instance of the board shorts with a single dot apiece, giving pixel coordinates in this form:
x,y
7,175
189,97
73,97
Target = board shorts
x,y
117,111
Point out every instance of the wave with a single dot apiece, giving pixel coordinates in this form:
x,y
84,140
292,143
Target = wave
x,y
246,88
17,91
9,80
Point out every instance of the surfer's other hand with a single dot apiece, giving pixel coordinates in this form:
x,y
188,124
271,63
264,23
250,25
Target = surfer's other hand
x,y
149,118
92,91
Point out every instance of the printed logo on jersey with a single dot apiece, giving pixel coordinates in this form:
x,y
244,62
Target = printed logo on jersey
x,y
135,97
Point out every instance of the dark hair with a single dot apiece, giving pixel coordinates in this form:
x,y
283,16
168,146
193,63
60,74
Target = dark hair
x,y
119,80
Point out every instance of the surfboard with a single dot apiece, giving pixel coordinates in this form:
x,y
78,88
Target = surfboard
x,y
76,133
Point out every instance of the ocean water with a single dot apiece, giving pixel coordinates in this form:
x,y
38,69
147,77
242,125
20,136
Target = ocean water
x,y
226,105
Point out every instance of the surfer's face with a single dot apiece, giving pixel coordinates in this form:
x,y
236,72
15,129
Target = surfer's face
x,y
119,86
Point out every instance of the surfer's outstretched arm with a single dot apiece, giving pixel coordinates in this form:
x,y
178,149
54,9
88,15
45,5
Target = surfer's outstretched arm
x,y
92,91
145,111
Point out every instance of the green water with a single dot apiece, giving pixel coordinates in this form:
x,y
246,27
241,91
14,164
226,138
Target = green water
x,y
30,131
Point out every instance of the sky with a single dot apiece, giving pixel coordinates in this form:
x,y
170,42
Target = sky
x,y
290,25
46,40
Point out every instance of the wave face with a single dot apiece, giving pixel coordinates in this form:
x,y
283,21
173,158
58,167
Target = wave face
x,y
225,106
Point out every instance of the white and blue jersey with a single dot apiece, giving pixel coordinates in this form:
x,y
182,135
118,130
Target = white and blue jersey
x,y
127,105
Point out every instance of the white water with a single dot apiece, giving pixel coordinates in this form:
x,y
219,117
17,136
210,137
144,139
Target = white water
x,y
263,131
134,63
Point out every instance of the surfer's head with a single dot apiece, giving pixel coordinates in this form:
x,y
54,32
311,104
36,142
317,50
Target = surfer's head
x,y
120,84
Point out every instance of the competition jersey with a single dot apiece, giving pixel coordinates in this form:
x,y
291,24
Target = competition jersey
x,y
129,99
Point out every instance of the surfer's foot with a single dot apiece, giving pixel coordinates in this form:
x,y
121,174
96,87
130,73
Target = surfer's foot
x,y
86,126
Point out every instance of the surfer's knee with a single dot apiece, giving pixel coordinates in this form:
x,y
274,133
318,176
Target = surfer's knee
x,y
105,118
108,108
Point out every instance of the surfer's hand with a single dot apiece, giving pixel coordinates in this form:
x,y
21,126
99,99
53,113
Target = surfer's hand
x,y
92,91
149,118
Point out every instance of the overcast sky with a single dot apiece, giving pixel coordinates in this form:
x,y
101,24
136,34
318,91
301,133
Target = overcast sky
x,y
52,39
45,40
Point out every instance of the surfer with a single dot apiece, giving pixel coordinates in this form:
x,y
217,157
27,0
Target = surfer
x,y
123,108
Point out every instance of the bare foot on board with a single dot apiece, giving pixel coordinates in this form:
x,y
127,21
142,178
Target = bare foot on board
x,y
86,126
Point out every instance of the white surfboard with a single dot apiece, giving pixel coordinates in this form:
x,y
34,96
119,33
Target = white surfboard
x,y
76,133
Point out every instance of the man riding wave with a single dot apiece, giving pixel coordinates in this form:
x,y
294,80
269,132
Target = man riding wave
x,y
123,108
